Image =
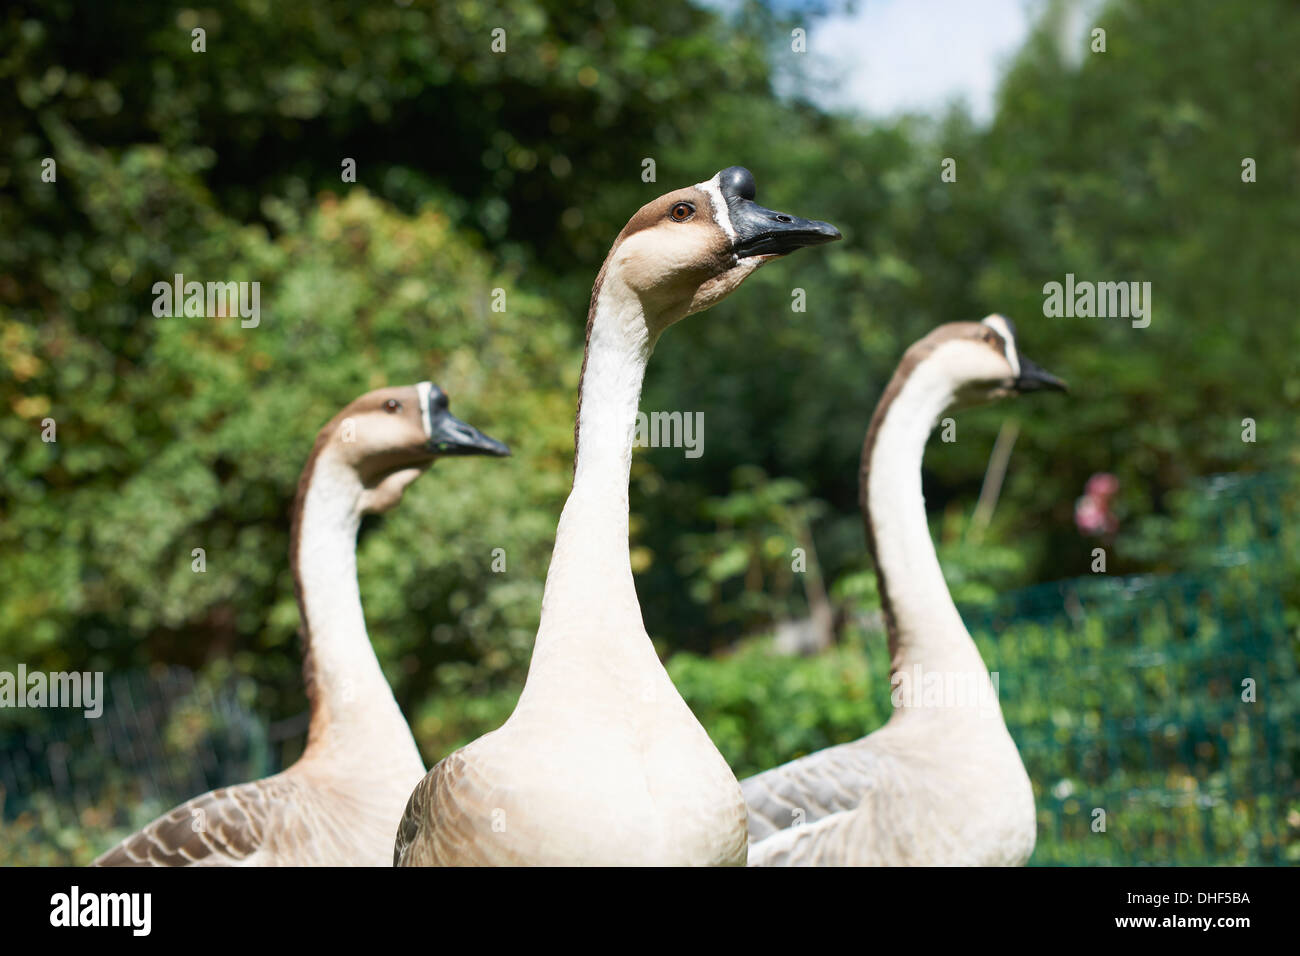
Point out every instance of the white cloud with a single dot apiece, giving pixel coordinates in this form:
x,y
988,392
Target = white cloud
x,y
895,56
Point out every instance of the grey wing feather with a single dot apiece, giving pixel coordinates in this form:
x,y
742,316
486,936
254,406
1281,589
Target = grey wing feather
x,y
408,829
222,827
810,788
432,798
455,794
826,842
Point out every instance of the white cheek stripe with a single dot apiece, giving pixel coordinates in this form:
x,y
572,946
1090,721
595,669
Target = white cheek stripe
x,y
999,324
423,390
720,212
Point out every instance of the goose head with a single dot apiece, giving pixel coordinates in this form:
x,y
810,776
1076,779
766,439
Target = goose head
x,y
391,436
690,248
982,361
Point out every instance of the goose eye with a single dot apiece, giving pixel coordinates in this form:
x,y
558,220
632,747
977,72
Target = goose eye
x,y
682,211
392,405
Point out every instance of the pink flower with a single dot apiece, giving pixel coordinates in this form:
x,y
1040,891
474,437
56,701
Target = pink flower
x,y
1092,514
1089,516
1102,485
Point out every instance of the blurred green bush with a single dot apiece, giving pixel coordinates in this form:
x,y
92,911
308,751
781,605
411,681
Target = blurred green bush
x,y
183,433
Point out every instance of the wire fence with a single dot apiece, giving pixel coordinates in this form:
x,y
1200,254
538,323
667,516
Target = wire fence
x,y
69,786
1158,716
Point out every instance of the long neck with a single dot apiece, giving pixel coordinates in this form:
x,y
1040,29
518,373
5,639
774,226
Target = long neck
x,y
590,597
350,698
618,349
926,634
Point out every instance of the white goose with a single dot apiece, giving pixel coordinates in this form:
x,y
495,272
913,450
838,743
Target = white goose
x,y
942,782
601,761
338,804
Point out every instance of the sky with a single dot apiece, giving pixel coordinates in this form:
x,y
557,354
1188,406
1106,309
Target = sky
x,y
917,55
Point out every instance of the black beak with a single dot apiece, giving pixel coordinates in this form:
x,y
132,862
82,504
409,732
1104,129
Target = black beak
x,y
1035,378
451,436
763,232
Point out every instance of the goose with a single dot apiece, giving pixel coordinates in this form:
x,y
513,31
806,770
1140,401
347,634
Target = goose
x,y
941,783
338,803
601,761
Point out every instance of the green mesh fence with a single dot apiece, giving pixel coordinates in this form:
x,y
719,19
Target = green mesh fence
x,y
1157,715
69,786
